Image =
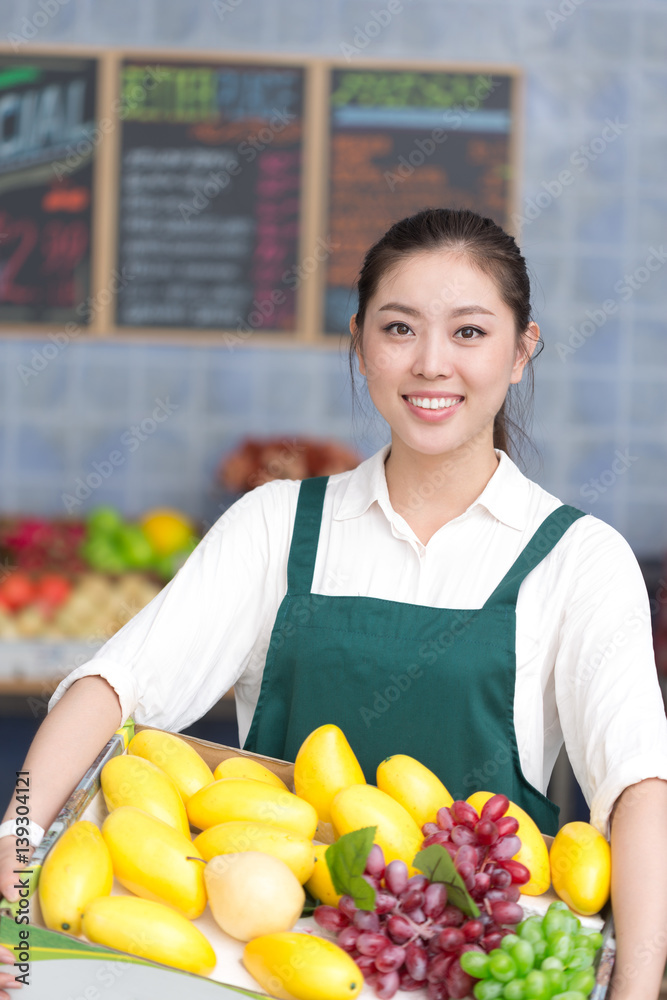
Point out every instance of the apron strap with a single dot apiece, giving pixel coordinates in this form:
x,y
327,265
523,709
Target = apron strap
x,y
540,545
306,534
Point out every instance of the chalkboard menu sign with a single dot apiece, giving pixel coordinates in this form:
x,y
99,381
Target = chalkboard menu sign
x,y
47,147
210,177
228,195
404,140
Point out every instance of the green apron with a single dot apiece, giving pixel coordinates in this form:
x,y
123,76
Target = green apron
x,y
434,683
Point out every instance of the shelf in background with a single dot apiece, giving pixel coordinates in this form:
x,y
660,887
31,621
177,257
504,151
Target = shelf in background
x,y
32,668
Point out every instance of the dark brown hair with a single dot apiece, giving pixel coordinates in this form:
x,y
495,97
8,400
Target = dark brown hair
x,y
487,247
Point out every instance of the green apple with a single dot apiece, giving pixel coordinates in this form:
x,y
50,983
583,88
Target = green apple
x,y
102,555
134,547
104,521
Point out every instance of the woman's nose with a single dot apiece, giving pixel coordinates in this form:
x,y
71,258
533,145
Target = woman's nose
x,y
433,357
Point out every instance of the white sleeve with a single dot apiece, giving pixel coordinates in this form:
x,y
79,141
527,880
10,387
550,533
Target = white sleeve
x,y
177,657
607,691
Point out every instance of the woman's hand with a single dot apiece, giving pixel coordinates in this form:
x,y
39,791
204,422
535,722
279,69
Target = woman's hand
x,y
7,980
7,866
10,892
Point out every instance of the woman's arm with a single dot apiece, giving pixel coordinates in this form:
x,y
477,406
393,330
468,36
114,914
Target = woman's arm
x,y
172,661
66,743
639,890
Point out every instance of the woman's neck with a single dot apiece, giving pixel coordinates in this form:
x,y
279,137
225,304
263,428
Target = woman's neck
x,y
430,490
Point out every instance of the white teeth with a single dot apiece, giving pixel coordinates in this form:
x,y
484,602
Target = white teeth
x,y
434,403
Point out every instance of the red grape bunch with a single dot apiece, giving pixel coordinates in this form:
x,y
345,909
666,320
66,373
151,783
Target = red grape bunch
x,y
413,938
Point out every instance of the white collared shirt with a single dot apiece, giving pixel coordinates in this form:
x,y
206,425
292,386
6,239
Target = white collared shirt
x,y
585,664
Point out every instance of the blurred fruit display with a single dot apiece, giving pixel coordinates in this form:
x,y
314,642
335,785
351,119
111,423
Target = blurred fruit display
x,y
66,579
36,544
258,461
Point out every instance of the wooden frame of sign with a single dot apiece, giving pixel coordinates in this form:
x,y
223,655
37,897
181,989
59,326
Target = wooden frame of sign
x,y
376,139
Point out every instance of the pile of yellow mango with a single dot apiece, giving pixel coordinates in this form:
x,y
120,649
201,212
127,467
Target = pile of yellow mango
x,y
256,852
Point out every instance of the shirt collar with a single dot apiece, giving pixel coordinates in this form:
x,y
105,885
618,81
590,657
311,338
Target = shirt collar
x,y
506,496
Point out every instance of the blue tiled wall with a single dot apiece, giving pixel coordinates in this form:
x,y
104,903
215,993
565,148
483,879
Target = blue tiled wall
x,y
148,425
594,105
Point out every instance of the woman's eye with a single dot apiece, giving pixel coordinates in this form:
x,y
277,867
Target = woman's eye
x,y
469,333
402,329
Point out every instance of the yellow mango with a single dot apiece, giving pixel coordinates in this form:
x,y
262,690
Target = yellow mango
x,y
132,781
365,805
294,966
534,853
77,870
155,861
178,759
414,786
245,767
239,836
149,930
319,885
325,763
247,799
580,860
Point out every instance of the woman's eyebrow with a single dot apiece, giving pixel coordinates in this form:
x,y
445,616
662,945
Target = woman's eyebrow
x,y
471,310
466,310
397,307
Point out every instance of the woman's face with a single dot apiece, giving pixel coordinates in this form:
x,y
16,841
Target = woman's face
x,y
439,351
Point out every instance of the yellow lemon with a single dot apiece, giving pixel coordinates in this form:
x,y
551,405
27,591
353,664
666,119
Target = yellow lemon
x,y
167,530
230,799
129,780
581,867
534,853
153,860
77,870
325,763
149,930
237,837
246,767
319,885
172,754
418,789
365,805
294,966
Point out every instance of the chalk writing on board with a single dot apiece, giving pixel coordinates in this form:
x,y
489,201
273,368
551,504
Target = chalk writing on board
x,y
402,141
209,211
46,114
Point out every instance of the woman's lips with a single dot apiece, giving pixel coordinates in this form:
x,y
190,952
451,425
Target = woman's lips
x,y
433,407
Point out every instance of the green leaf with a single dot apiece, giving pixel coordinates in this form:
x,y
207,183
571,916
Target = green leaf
x,y
436,863
346,860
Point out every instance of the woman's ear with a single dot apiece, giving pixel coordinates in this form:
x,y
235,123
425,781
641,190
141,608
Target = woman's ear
x,y
356,340
524,352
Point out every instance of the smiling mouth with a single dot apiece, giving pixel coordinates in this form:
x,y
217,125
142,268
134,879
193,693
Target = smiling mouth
x,y
434,402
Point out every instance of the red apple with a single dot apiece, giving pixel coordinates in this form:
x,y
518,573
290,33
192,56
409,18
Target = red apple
x,y
52,590
16,590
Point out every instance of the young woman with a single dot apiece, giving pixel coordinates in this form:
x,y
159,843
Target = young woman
x,y
433,602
